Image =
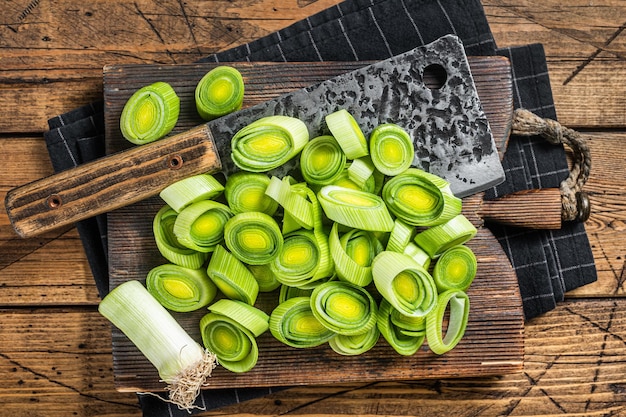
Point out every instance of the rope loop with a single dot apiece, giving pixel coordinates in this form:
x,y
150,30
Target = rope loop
x,y
574,201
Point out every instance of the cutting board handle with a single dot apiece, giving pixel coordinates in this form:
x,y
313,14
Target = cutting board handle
x,y
535,209
111,182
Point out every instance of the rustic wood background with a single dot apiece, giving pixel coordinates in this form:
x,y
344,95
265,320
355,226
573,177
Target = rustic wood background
x,y
55,349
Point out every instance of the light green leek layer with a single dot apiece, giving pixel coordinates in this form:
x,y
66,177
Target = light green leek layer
x,y
268,143
150,113
180,289
219,92
420,199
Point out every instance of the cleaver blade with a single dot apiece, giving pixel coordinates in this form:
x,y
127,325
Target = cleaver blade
x,y
450,131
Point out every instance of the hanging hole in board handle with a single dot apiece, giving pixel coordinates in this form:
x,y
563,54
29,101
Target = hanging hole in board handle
x,y
175,162
435,76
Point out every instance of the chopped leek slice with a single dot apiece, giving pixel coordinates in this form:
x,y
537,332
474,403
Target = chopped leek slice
x,y
420,198
245,191
459,304
287,292
353,254
180,289
190,190
408,287
356,344
150,113
250,317
356,209
418,254
297,263
455,269
268,143
343,180
410,326
322,160
346,130
232,277
293,199
400,236
344,308
292,322
264,277
438,239
361,171
253,237
234,345
219,92
167,243
181,362
200,226
402,343
391,149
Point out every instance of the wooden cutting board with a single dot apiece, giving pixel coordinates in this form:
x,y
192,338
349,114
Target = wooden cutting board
x,y
493,343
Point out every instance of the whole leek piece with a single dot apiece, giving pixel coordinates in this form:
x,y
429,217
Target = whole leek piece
x,y
219,92
268,143
150,113
182,363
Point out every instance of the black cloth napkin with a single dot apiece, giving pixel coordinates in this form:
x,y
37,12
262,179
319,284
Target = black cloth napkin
x,y
547,263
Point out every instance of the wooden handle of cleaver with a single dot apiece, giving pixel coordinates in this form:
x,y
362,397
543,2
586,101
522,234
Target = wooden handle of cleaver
x,y
111,182
535,209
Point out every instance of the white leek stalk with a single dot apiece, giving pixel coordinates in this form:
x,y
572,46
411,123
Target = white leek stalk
x,y
181,362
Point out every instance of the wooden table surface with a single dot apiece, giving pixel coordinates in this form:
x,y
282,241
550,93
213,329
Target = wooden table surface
x,y
55,349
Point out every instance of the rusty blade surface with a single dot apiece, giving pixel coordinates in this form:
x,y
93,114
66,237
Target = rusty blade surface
x,y
450,131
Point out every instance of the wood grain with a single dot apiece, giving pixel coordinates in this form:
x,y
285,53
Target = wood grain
x,y
573,365
52,54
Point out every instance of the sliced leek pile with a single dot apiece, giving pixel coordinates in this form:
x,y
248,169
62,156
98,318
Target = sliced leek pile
x,y
357,248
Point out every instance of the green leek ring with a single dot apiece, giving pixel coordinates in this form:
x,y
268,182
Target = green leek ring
x,y
391,149
200,226
401,342
344,308
180,289
253,237
219,92
268,143
150,113
232,277
293,323
455,269
234,345
459,306
407,286
420,199
322,160
169,246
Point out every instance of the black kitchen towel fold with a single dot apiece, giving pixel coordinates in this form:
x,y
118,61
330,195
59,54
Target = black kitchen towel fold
x,y
75,138
547,263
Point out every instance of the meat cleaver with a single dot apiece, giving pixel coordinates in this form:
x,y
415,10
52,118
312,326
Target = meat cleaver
x,y
451,134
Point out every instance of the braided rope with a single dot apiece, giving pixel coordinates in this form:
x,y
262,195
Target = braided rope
x,y
574,201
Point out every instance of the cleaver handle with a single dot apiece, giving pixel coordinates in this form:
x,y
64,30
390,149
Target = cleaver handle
x,y
535,209
110,182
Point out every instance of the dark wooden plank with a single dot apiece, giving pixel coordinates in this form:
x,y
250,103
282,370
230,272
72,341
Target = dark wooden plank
x,y
494,340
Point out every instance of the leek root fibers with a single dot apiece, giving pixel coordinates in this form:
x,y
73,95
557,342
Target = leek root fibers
x,y
181,362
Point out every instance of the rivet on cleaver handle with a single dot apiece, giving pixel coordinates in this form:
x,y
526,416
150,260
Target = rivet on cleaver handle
x,y
110,182
450,131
